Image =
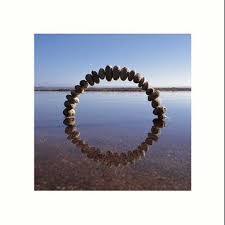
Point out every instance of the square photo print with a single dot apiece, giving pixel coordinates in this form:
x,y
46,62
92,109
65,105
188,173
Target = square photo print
x,y
112,112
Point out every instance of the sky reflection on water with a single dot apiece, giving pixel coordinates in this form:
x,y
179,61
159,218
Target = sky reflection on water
x,y
113,122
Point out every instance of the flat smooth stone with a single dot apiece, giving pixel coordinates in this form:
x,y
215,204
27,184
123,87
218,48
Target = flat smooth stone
x,y
159,122
84,83
108,73
155,103
159,110
96,78
101,73
108,68
145,86
116,72
74,93
131,75
141,81
79,89
68,112
71,99
124,73
154,95
93,72
155,111
69,105
89,79
137,78
69,121
150,90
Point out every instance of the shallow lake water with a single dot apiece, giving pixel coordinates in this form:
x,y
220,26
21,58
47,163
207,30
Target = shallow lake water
x,y
112,123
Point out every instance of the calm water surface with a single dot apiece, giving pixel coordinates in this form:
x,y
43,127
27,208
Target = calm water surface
x,y
116,122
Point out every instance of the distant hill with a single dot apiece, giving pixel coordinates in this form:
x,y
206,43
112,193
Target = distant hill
x,y
127,89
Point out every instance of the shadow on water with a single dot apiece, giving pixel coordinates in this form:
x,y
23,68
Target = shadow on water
x,y
109,158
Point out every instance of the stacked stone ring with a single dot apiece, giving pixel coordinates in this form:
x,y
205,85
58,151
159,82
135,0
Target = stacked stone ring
x,y
111,73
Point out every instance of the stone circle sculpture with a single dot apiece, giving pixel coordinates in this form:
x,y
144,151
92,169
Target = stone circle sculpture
x,y
111,73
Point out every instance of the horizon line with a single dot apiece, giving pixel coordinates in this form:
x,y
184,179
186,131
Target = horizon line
x,y
108,89
40,86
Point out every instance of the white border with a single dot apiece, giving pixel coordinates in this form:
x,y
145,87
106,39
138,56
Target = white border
x,y
20,20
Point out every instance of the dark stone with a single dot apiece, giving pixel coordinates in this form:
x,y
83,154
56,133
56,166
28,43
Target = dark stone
x,y
159,110
137,78
141,81
108,73
89,79
79,89
149,98
159,122
155,111
153,96
94,73
124,73
84,83
162,109
145,86
71,99
116,72
95,77
69,105
74,94
131,75
149,91
68,112
69,121
155,103
101,73
73,102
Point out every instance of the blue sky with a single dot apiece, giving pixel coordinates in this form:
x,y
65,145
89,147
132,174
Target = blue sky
x,y
65,59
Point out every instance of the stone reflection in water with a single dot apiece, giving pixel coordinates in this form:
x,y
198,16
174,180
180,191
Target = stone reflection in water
x,y
113,158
